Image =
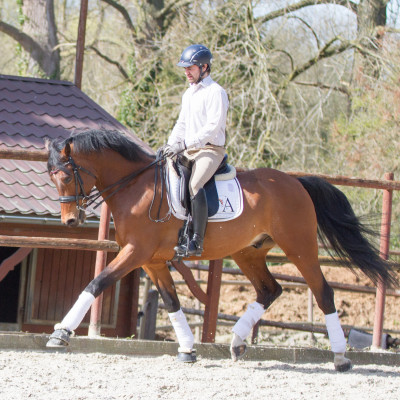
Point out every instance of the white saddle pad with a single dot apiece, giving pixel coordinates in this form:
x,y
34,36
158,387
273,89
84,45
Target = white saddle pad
x,y
230,197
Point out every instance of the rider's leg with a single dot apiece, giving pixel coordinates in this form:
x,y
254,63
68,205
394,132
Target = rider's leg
x,y
205,162
199,219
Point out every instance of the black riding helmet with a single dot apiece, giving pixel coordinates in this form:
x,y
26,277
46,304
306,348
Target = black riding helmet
x,y
196,54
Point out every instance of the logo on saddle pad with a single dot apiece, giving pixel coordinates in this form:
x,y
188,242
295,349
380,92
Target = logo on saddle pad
x,y
224,196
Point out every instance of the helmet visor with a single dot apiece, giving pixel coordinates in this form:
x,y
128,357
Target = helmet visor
x,y
183,63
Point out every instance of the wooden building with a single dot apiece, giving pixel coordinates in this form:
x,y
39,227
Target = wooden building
x,y
38,286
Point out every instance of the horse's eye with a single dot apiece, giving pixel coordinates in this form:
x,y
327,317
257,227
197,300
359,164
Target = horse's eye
x,y
67,179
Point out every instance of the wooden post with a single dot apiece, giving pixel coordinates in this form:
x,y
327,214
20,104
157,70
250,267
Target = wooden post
x,y
384,250
101,261
134,290
254,334
80,43
197,304
211,307
310,311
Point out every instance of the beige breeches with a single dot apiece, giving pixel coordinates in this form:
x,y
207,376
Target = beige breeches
x,y
205,162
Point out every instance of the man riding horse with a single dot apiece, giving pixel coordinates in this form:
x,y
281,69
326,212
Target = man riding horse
x,y
278,210
199,135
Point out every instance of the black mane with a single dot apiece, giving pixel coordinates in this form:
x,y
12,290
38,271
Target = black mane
x,y
96,140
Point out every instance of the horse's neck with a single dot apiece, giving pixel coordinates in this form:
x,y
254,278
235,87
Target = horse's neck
x,y
114,168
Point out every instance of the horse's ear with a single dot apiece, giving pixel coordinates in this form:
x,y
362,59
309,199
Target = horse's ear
x,y
66,151
47,143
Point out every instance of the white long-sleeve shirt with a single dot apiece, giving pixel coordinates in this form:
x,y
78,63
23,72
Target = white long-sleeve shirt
x,y
202,118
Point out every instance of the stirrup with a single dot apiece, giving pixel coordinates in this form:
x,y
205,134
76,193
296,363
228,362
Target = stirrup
x,y
181,251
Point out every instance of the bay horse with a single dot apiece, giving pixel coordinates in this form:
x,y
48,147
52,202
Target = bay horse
x,y
278,210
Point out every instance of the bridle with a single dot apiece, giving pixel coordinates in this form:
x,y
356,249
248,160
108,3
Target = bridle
x,y
89,199
79,189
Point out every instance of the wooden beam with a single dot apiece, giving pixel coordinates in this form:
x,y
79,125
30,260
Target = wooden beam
x,y
58,243
26,155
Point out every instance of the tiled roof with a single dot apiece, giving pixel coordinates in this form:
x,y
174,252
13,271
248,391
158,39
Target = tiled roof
x,y
30,111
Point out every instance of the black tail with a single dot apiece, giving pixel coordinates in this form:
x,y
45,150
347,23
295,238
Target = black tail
x,y
339,227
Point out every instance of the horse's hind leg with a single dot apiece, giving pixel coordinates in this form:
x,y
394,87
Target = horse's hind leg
x,y
309,266
161,277
252,263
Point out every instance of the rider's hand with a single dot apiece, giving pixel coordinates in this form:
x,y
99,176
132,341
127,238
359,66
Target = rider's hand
x,y
162,149
174,149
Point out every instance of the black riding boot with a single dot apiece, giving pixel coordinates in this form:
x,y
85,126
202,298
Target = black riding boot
x,y
199,218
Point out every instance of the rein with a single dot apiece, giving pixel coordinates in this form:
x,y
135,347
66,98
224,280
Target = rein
x,y
88,200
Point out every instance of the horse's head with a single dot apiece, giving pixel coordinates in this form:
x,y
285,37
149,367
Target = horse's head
x,y
72,180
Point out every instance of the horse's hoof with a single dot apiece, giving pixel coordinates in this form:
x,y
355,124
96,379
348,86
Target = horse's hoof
x,y
187,357
238,352
59,338
342,364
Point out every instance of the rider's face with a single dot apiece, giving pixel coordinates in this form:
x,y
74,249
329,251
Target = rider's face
x,y
193,73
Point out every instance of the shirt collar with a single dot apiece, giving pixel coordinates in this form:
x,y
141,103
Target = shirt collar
x,y
207,81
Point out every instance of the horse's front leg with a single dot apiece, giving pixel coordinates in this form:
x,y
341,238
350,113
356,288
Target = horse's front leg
x,y
161,277
117,269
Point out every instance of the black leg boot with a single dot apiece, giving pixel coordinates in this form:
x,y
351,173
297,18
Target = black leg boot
x,y
199,218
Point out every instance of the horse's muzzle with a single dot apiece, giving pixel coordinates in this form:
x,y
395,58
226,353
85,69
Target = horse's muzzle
x,y
75,219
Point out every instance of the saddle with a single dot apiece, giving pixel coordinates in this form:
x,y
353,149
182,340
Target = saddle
x,y
183,169
223,191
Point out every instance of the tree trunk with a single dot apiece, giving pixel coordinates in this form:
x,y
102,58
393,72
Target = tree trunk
x,y
40,25
371,14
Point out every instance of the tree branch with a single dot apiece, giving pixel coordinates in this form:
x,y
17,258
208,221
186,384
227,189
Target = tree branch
x,y
26,41
342,88
171,6
110,61
309,27
302,4
124,12
327,51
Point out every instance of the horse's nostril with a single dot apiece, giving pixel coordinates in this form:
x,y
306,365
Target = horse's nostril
x,y
71,222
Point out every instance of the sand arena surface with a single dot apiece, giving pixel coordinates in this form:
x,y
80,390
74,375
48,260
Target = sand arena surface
x,y
43,375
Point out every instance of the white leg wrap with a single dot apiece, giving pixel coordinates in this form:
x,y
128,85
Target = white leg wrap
x,y
75,316
246,322
237,341
182,331
335,333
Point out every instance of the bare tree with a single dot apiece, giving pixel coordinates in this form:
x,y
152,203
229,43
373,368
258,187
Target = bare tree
x,y
286,76
38,36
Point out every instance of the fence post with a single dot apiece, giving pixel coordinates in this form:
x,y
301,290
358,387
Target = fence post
x,y
211,307
384,250
80,43
101,261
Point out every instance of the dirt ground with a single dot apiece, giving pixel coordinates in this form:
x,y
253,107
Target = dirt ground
x,y
41,375
355,309
64,376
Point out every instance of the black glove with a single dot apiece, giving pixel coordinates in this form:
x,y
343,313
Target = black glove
x,y
174,149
